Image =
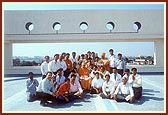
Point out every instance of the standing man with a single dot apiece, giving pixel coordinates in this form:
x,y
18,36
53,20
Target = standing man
x,y
62,63
44,66
54,65
31,85
136,82
120,63
112,60
73,58
68,64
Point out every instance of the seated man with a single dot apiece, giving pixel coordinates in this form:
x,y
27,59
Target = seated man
x,y
60,79
124,91
136,82
75,88
107,88
97,83
46,90
31,84
62,94
84,77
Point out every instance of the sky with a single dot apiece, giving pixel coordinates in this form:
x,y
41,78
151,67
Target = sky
x,y
126,48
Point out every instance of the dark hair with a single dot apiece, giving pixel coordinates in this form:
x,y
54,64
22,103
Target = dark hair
x,y
97,73
73,75
73,71
67,79
127,70
119,54
56,55
134,69
111,50
114,68
30,73
49,72
73,52
47,56
107,75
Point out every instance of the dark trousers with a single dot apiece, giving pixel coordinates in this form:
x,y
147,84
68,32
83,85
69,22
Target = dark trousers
x,y
120,71
137,92
93,91
44,97
66,73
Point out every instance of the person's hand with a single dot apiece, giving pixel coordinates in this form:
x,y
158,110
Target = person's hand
x,y
54,94
66,99
131,100
115,97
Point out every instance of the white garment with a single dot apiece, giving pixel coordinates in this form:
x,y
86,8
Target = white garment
x,y
108,87
62,65
112,60
97,83
117,80
53,66
137,82
44,68
46,86
75,87
124,89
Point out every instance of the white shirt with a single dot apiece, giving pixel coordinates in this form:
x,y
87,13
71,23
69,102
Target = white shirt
x,y
75,87
62,65
44,68
53,66
105,73
117,80
120,64
46,86
124,89
112,60
73,60
97,83
137,82
108,87
126,76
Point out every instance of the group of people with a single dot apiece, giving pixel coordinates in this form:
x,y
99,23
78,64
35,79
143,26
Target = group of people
x,y
65,79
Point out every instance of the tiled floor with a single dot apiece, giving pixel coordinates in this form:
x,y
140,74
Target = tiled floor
x,y
14,99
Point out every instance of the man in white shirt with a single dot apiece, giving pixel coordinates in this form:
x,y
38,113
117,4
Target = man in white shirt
x,y
46,90
44,66
97,83
136,82
120,64
115,77
54,65
112,60
124,91
103,72
73,58
75,88
107,88
62,63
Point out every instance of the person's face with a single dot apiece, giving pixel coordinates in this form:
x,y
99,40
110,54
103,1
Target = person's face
x,y
124,80
73,78
111,52
107,78
31,76
134,72
119,57
49,76
102,69
73,54
115,71
47,59
67,82
56,58
127,73
59,73
94,68
97,76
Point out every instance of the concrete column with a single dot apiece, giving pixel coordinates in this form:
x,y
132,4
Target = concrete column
x,y
159,53
8,61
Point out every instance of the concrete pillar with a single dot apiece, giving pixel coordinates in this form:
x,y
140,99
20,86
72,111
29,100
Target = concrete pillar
x,y
159,53
8,61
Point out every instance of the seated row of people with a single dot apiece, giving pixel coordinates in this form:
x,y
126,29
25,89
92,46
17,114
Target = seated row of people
x,y
57,88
